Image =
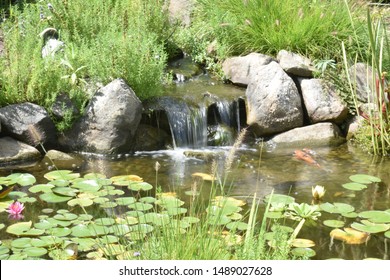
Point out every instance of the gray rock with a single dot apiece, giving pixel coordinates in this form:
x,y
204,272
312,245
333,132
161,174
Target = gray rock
x,y
15,152
109,123
52,47
295,64
353,126
361,76
29,123
273,101
321,134
240,69
322,102
58,156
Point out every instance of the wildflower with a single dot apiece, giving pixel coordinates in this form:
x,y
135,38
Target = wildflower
x,y
137,254
318,192
15,210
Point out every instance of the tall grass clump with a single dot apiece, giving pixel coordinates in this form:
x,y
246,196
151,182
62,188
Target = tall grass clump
x,y
103,40
312,28
374,135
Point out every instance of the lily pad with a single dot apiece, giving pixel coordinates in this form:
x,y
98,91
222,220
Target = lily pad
x,y
367,226
376,216
303,252
140,186
41,188
142,228
84,202
337,207
21,243
27,199
334,223
23,179
87,186
169,202
139,206
154,218
65,191
218,220
67,216
387,234
353,186
364,179
60,232
105,221
61,174
19,228
350,235
175,211
302,243
125,180
191,220
237,226
225,200
53,198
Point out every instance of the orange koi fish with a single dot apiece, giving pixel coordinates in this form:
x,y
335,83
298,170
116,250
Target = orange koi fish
x,y
306,157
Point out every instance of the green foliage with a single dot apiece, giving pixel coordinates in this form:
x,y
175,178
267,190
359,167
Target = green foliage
x,y
103,41
235,27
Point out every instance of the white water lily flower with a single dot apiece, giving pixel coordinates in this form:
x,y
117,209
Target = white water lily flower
x,y
318,192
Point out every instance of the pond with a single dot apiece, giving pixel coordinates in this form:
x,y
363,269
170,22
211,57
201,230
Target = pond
x,y
255,169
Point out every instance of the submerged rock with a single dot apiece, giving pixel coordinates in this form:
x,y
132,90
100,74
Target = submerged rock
x,y
321,134
15,152
109,123
273,101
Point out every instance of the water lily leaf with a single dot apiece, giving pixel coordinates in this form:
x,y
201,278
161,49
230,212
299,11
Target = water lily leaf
x,y
334,223
139,206
224,200
23,179
175,211
83,202
36,242
303,252
235,216
65,191
302,243
135,214
2,226
59,222
84,217
135,235
169,202
279,198
44,224
66,175
376,216
154,218
50,240
127,220
41,188
142,228
17,195
225,210
60,183
21,243
350,215
3,250
387,234
147,199
140,186
100,200
353,186
218,220
204,176
120,229
82,231
19,228
27,199
369,227
65,216
364,179
125,180
105,221
53,198
60,232
94,176
274,215
337,207
85,244
237,226
116,192
87,186
350,235
108,239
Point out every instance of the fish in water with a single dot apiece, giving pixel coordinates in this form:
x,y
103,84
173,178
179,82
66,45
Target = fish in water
x,y
306,157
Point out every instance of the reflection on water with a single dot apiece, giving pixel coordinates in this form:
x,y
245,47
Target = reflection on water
x,y
260,172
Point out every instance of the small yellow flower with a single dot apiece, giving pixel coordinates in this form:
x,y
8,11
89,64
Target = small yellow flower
x,y
318,192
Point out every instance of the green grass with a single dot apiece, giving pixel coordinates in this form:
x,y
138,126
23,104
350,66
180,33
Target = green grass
x,y
312,28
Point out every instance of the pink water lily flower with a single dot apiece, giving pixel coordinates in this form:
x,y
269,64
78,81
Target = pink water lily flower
x,y
15,210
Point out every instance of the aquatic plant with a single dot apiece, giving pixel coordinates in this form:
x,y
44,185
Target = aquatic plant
x,y
15,210
318,192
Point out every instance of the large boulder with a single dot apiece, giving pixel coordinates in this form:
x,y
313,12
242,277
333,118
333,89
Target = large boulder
x,y
28,122
295,64
180,11
321,134
109,123
273,102
239,69
322,102
15,152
